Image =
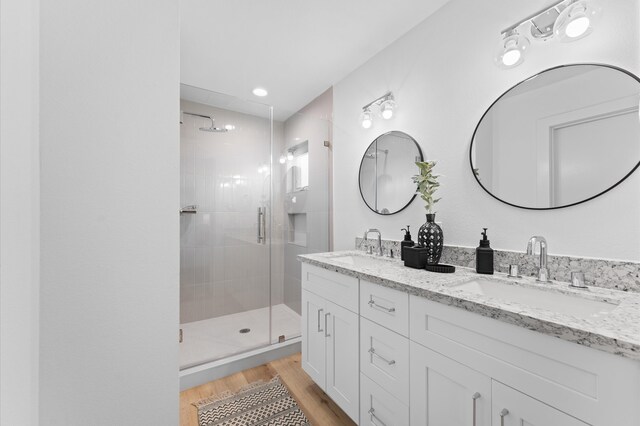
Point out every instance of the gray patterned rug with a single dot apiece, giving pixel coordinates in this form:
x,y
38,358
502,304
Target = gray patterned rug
x,y
260,403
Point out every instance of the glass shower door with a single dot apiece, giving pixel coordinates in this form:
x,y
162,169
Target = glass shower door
x,y
225,270
301,211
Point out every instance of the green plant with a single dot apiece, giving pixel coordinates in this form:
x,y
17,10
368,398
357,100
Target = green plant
x,y
427,184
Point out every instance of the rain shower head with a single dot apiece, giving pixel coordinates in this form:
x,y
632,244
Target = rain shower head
x,y
211,128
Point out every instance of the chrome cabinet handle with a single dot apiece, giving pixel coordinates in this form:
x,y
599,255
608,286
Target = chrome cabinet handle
x,y
372,303
503,413
319,329
326,329
372,413
475,396
372,351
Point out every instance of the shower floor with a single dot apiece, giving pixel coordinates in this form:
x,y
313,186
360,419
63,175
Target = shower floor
x,y
215,338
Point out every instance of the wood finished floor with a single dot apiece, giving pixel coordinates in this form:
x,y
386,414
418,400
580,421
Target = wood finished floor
x,y
316,405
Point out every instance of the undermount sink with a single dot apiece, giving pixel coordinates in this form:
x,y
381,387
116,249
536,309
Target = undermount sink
x,y
563,303
357,260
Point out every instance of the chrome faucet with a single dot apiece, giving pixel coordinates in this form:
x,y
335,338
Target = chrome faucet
x,y
380,252
543,272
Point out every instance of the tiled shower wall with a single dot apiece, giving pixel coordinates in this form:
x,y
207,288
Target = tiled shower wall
x,y
222,268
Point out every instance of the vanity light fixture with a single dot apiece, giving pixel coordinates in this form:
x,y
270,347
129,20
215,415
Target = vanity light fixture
x,y
568,20
283,159
290,155
386,106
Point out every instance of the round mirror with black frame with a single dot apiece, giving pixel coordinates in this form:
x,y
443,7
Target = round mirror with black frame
x,y
386,170
560,138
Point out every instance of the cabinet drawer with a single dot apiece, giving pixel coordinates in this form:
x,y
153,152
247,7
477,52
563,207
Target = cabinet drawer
x,y
512,408
384,357
378,407
334,287
385,306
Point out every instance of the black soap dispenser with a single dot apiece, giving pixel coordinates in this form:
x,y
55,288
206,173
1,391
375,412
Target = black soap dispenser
x,y
484,255
407,242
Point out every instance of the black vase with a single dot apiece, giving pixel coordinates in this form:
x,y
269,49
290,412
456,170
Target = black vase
x,y
431,237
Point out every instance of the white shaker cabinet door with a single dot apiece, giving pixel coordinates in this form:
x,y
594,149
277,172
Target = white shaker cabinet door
x,y
342,359
513,408
445,392
314,323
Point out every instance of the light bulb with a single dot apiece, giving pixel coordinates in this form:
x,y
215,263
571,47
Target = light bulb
x,y
290,155
229,126
577,20
366,119
511,50
386,109
282,159
511,57
577,27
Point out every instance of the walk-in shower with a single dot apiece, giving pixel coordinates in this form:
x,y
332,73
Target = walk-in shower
x,y
239,276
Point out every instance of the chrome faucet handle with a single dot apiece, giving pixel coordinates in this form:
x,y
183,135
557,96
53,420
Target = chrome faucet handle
x,y
577,280
513,271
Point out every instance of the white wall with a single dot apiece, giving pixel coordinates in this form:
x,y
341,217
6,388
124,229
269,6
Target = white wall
x,y
19,212
109,212
443,77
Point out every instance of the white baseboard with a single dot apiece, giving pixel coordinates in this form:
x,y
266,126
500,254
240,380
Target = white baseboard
x,y
195,376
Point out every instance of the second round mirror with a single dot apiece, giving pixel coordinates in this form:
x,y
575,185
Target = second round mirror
x,y
385,172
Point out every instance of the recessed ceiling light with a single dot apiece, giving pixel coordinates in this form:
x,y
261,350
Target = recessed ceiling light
x,y
259,91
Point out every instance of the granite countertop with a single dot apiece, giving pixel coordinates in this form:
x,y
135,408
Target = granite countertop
x,y
616,331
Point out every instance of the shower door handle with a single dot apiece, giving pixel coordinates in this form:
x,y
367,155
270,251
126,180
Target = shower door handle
x,y
261,225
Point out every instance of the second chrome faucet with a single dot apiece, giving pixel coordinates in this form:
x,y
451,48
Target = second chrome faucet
x,y
380,252
543,271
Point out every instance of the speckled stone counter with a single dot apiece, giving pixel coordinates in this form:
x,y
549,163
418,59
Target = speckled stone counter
x,y
616,332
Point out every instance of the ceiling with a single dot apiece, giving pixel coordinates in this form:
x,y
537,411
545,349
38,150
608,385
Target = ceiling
x,y
295,49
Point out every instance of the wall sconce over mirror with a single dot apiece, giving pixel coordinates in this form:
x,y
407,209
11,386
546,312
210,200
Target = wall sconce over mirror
x,y
384,106
564,137
566,20
386,170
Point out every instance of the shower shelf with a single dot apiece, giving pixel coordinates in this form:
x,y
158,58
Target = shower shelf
x,y
189,210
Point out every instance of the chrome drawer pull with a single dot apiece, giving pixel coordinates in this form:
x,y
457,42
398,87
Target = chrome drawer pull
x,y
326,329
372,303
373,416
372,351
475,396
319,329
503,413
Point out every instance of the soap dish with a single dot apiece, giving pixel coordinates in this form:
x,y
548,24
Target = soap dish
x,y
442,269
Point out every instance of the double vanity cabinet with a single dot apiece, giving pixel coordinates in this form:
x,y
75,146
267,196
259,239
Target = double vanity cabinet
x,y
394,346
